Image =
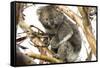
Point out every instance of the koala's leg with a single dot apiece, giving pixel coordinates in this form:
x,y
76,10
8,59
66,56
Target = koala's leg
x,y
61,52
66,52
54,41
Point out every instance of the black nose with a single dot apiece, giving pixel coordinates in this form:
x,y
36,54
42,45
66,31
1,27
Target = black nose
x,y
47,26
52,23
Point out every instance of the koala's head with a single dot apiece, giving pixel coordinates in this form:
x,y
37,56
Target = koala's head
x,y
50,17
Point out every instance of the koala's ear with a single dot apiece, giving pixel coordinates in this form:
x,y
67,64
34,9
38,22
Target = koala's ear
x,y
38,12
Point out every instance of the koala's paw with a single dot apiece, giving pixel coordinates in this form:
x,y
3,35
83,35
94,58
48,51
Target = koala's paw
x,y
56,56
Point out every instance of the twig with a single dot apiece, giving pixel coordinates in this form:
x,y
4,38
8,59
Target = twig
x,y
71,14
89,56
43,57
36,28
21,39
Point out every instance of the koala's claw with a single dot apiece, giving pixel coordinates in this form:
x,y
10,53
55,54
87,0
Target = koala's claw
x,y
56,56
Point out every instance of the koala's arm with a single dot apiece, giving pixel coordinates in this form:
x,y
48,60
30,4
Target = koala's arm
x,y
65,33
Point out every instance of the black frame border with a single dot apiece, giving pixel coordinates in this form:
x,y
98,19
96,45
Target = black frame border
x,y
13,33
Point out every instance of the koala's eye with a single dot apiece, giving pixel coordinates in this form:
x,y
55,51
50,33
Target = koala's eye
x,y
46,19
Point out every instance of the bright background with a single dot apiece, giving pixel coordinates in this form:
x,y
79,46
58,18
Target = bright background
x,y
5,34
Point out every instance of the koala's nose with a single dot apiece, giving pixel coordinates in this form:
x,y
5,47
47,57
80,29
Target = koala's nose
x,y
52,23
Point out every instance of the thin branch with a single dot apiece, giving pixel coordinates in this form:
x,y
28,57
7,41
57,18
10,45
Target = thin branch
x,y
21,39
43,57
89,57
36,28
71,14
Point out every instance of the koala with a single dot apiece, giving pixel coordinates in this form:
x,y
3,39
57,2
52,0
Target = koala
x,y
66,42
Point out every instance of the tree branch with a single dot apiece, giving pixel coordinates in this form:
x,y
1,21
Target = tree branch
x,y
87,30
43,57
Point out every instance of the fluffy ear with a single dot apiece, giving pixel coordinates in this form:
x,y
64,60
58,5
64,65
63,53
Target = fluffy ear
x,y
40,9
43,8
38,12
